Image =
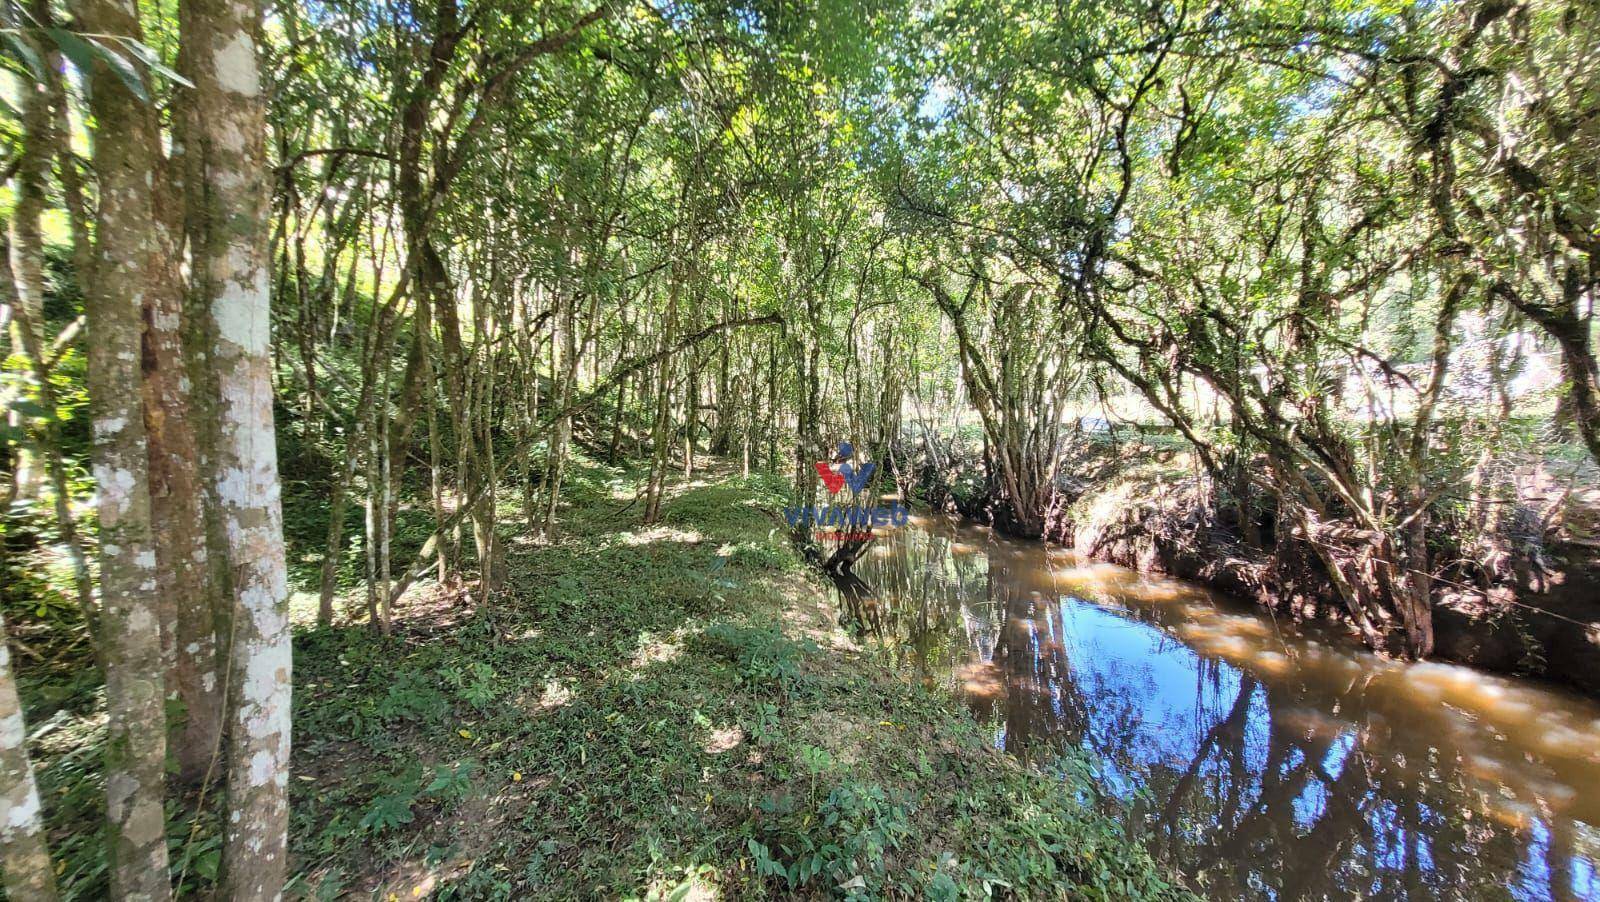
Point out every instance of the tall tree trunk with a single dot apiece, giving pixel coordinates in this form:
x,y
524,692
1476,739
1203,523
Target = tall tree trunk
x,y
185,590
27,244
126,147
436,475
344,476
660,440
24,857
614,447
435,297
491,567
49,442
231,268
481,418
1580,372
691,414
333,548
772,404
59,145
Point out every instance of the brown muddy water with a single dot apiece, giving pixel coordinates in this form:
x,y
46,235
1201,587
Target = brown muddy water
x,y
1263,759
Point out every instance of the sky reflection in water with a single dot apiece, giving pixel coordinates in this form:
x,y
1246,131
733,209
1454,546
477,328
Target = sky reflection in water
x,y
1267,761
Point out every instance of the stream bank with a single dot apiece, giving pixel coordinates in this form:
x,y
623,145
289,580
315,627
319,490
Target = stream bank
x,y
647,711
1262,758
1537,614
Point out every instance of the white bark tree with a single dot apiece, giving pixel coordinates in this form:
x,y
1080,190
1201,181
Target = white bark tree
x,y
230,269
24,857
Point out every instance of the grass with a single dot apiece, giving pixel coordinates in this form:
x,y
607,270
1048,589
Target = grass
x,y
645,712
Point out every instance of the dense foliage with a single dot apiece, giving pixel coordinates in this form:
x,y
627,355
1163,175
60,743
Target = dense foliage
x,y
1343,252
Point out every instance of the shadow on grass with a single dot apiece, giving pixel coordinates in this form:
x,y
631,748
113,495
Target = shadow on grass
x,y
637,716
581,703
661,711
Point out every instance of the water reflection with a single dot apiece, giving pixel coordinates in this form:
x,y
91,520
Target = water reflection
x,y
1265,760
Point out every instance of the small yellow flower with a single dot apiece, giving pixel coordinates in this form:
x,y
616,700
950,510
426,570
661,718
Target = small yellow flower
x,y
516,776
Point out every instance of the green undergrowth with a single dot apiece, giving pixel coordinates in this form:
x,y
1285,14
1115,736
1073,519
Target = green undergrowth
x,y
665,711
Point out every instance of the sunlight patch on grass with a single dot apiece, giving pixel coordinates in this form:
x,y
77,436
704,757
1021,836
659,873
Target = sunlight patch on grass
x,y
655,650
698,886
303,607
643,702
555,694
63,734
724,739
655,534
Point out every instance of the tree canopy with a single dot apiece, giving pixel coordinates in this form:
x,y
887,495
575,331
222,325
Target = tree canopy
x,y
333,297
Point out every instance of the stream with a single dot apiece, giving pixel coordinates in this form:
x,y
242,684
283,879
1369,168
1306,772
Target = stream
x,y
1262,758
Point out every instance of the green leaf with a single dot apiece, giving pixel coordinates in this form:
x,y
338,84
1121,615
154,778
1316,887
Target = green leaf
x,y
451,782
388,811
152,60
28,407
83,54
130,75
73,48
25,52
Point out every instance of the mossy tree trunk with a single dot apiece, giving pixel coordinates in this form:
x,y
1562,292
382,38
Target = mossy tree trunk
x,y
231,273
127,142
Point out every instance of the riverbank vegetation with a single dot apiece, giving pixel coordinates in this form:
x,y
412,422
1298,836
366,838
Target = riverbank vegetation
x,y
351,303
662,711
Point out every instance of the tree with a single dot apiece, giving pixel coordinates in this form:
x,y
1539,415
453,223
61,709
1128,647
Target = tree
x,y
127,264
24,858
232,283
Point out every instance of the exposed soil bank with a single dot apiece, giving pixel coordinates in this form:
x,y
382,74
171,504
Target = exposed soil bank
x,y
1541,618
1554,635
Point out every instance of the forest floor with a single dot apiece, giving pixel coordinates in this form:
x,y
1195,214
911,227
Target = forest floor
x,y
645,712
667,711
